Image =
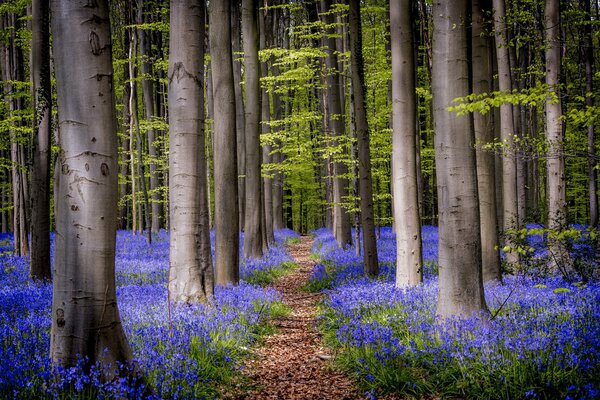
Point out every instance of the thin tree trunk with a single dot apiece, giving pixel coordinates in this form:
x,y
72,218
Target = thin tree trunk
x,y
85,316
555,166
510,214
240,122
191,278
460,276
148,95
362,134
138,141
484,134
225,164
254,211
589,102
409,262
342,226
40,173
134,207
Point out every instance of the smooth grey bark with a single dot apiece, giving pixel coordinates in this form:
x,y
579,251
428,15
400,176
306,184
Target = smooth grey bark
x,y
148,96
225,157
254,211
589,102
240,121
407,224
191,278
341,217
278,158
510,215
265,129
85,316
484,134
42,132
460,278
363,142
555,164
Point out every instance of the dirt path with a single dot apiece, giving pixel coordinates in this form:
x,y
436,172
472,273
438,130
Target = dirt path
x,y
292,364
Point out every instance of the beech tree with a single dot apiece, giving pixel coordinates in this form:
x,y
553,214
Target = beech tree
x,y
459,254
191,277
253,210
484,135
335,115
362,133
42,129
85,316
224,142
510,215
404,143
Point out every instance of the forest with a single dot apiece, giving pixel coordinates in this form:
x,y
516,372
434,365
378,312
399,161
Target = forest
x,y
299,199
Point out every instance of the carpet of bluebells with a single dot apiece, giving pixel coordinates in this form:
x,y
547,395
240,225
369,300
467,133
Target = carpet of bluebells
x,y
190,355
542,340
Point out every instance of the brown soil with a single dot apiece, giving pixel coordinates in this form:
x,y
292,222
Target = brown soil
x,y
293,363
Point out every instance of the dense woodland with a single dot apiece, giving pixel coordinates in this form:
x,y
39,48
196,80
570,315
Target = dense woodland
x,y
476,117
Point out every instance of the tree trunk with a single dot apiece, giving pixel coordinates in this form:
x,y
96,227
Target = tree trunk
x,y
267,180
342,226
191,278
460,277
148,94
42,131
85,316
589,102
510,215
225,164
484,134
555,165
363,142
409,263
254,212
240,122
135,124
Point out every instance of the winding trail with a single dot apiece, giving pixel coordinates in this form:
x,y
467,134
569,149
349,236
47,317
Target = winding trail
x,y
293,364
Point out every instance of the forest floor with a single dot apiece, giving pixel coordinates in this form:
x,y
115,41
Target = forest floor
x,y
293,363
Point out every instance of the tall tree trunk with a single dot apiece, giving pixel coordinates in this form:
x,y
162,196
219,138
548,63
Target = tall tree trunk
x,y
191,277
42,131
484,134
460,277
555,166
409,262
278,158
342,226
254,212
148,95
85,316
265,41
240,121
135,124
363,142
510,215
225,164
134,205
589,102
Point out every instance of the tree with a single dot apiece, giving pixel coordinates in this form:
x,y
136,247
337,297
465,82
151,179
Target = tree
x,y
484,134
460,277
85,316
409,262
225,160
507,131
362,133
191,276
555,166
42,129
254,213
341,218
